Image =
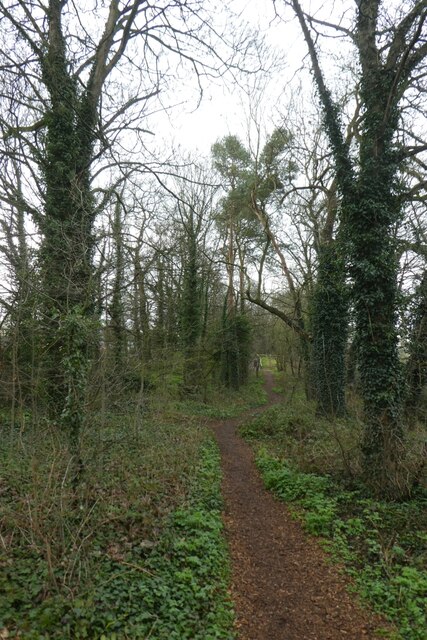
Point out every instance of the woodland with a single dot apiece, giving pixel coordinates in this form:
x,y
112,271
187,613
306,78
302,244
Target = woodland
x,y
140,281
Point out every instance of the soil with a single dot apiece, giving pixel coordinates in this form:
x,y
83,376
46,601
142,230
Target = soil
x,y
282,584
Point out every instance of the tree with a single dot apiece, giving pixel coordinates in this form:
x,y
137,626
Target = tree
x,y
417,362
265,175
18,323
194,207
390,50
62,104
272,172
116,307
232,161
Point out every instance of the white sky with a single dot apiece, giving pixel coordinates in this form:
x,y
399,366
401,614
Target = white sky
x,y
222,110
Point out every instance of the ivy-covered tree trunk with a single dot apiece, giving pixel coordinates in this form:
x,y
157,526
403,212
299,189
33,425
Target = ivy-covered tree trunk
x,y
417,363
67,229
160,328
191,320
370,211
370,225
242,284
231,301
329,331
351,364
235,351
141,316
116,309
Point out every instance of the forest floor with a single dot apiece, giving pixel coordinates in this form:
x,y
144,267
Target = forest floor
x,y
283,586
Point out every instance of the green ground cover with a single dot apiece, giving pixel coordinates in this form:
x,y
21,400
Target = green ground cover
x,y
312,464
136,552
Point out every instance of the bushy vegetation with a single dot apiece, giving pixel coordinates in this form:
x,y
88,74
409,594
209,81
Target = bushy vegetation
x,y
314,443
137,552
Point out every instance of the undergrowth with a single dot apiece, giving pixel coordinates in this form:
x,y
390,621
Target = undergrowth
x,y
222,403
312,465
137,552
314,444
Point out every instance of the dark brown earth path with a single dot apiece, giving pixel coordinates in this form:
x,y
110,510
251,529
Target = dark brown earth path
x,y
282,586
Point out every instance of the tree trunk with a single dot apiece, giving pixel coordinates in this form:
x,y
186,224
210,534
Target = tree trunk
x,y
191,321
68,242
417,363
370,221
116,308
369,213
329,331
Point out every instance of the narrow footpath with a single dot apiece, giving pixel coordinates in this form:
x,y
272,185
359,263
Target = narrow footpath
x,y
282,585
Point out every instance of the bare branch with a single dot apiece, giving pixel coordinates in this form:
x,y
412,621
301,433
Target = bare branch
x,y
293,324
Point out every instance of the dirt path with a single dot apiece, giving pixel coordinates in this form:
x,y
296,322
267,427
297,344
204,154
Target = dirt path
x,y
282,586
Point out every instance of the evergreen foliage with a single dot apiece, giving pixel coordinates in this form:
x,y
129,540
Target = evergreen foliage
x,y
329,322
191,318
235,350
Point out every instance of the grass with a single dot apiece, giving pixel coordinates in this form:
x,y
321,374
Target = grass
x,y
313,465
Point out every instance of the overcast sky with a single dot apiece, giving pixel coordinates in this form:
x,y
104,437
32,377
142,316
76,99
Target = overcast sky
x,y
222,110
223,107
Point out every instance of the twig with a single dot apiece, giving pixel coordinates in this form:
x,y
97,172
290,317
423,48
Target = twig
x,y
136,567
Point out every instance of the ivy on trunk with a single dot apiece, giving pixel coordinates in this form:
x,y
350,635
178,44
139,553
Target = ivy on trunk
x,y
369,212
